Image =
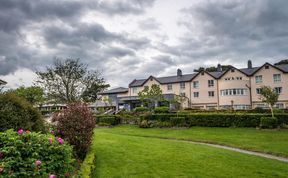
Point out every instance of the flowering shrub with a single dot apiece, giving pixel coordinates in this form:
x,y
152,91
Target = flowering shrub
x,y
75,124
30,154
16,113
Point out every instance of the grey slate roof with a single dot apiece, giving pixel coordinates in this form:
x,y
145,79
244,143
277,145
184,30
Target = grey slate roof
x,y
189,77
248,71
283,67
115,90
164,80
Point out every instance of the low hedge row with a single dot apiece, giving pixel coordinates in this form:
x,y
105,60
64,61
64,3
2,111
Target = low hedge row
x,y
107,120
213,120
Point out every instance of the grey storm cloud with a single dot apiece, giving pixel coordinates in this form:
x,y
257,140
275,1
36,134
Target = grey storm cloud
x,y
149,24
58,24
236,29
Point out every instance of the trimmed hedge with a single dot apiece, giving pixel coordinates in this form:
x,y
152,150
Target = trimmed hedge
x,y
268,122
178,121
141,109
215,120
107,120
162,109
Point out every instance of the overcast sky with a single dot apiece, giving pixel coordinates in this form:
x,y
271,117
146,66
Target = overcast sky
x,y
128,39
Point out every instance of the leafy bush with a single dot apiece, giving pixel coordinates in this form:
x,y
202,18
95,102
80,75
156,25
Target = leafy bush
x,y
141,109
30,154
16,113
178,121
144,124
269,122
162,109
107,120
76,124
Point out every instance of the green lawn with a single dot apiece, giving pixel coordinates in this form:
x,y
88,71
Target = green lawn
x,y
268,141
119,155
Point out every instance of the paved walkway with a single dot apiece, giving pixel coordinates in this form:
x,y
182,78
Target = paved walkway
x,y
264,155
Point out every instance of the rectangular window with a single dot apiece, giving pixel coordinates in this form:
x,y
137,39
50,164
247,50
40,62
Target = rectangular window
x,y
277,77
196,94
169,87
134,90
211,93
183,94
278,90
182,85
210,83
234,92
258,78
196,84
258,91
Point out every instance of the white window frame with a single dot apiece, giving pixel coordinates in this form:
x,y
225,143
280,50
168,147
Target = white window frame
x,y
258,79
182,85
196,94
276,78
278,90
195,84
210,83
169,87
211,94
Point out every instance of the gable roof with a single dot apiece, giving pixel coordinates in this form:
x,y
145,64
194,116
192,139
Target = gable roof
x,y
164,80
115,91
216,75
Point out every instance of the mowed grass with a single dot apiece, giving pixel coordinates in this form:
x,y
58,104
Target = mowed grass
x,y
129,156
268,141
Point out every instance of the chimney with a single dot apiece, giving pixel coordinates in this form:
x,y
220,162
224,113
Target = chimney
x,y
179,73
219,68
249,64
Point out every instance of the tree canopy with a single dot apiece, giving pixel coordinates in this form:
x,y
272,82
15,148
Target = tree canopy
x,y
285,61
151,94
70,80
33,94
269,96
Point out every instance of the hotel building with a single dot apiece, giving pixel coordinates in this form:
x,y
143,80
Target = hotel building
x,y
233,88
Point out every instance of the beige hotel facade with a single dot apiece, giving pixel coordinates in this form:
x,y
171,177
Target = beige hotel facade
x,y
233,88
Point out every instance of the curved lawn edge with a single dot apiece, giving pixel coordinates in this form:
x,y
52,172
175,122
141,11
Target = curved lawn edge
x,y
232,147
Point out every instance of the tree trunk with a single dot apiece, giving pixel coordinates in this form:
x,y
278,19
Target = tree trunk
x,y
271,108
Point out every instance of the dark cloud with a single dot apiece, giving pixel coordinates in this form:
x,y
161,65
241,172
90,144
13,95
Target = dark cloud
x,y
237,30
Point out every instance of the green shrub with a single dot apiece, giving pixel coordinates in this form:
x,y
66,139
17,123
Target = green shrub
x,y
16,113
268,122
141,109
178,121
162,109
213,119
107,120
145,124
76,124
30,154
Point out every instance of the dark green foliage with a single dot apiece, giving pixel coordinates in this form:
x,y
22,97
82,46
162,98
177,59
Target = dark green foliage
x,y
268,122
76,124
178,121
16,113
20,151
213,119
141,109
162,109
107,120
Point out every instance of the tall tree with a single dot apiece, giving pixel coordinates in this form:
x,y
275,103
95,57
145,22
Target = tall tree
x,y
33,94
69,80
269,96
151,94
285,61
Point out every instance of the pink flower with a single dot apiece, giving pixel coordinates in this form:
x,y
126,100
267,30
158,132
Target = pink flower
x,y
38,162
60,140
50,140
20,131
52,176
1,169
